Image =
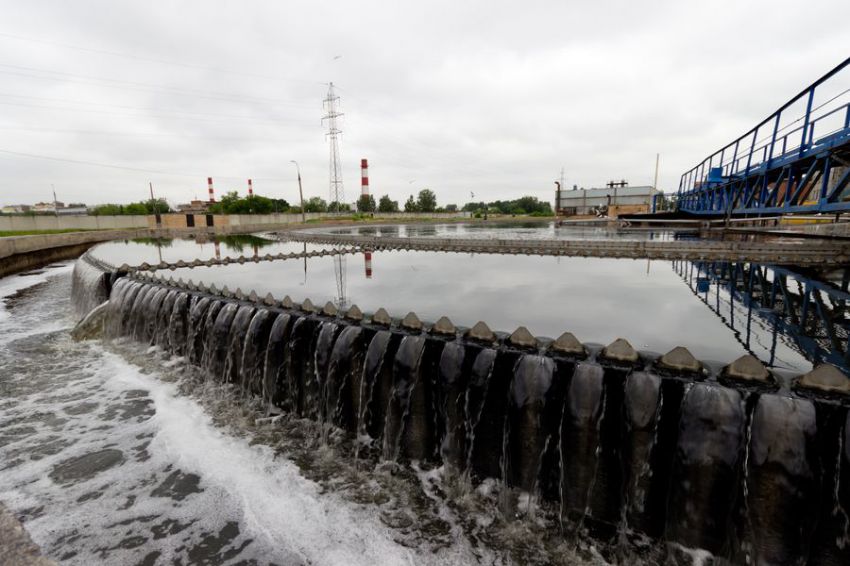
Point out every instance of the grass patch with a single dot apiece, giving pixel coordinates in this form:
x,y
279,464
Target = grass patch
x,y
9,233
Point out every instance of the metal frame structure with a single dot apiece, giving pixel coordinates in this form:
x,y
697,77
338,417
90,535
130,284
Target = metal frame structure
x,y
789,163
807,314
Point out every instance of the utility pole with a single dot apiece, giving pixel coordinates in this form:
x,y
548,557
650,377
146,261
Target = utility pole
x,y
300,192
558,193
654,197
335,166
657,160
155,206
557,197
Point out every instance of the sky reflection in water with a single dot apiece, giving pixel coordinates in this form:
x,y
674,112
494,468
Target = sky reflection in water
x,y
597,299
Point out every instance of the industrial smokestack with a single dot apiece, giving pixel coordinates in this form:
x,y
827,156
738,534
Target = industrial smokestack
x,y
250,188
210,189
364,177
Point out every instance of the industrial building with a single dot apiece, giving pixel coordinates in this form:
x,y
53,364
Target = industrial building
x,y
616,198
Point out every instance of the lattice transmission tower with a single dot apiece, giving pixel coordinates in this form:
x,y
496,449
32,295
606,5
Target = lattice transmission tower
x,y
337,194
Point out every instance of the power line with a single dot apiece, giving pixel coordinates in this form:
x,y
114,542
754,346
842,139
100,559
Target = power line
x,y
130,85
152,60
138,134
123,106
125,168
175,115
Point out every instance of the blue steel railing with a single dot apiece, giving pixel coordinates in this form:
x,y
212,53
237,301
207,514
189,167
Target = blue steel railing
x,y
770,145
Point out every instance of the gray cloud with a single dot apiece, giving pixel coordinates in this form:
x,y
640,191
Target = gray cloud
x,y
490,97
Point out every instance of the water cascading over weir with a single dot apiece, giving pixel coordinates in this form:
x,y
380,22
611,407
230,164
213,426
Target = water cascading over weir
x,y
750,465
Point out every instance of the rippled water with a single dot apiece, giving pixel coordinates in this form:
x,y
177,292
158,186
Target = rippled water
x,y
507,231
114,454
156,250
647,302
657,305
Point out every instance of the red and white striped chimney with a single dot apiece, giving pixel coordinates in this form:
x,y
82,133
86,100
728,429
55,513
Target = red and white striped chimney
x,y
364,177
250,188
210,188
367,256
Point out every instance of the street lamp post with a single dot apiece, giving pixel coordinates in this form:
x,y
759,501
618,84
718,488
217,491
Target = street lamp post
x,y
300,192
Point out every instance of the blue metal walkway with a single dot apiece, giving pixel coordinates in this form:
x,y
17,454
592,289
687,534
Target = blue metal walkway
x,y
797,160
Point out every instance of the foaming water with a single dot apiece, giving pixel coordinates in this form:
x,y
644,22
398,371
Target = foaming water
x,y
112,453
9,286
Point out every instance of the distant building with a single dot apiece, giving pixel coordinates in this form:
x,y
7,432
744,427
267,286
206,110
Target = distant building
x,y
16,209
618,198
47,206
73,210
194,207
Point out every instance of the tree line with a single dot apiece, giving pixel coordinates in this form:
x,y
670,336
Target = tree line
x,y
424,201
142,208
523,205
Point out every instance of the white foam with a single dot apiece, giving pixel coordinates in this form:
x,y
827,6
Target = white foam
x,y
278,504
14,283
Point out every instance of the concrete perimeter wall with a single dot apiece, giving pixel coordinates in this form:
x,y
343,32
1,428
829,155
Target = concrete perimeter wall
x,y
28,223
179,221
21,253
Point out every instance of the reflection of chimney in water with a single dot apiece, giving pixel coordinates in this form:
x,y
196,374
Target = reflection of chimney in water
x,y
256,249
367,256
217,250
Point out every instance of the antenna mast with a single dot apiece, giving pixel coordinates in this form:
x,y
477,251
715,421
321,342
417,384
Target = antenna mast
x,y
337,195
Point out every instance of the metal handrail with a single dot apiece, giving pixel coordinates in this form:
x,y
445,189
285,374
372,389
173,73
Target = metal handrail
x,y
745,159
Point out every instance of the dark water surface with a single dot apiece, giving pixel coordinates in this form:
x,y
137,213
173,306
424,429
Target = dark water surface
x,y
656,305
156,250
507,231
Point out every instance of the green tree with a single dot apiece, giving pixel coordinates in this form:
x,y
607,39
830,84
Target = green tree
x,y
339,207
410,205
474,206
136,208
157,206
386,204
280,205
316,204
523,205
107,210
366,203
531,205
427,201
232,203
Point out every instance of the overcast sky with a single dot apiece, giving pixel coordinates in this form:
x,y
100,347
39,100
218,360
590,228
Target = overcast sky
x,y
490,97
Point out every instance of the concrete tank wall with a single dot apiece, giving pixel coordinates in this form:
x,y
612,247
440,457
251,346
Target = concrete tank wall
x,y
29,223
179,221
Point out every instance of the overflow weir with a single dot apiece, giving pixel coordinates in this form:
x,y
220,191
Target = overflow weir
x,y
785,251
748,464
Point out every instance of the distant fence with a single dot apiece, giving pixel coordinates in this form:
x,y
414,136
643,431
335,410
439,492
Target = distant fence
x,y
177,221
